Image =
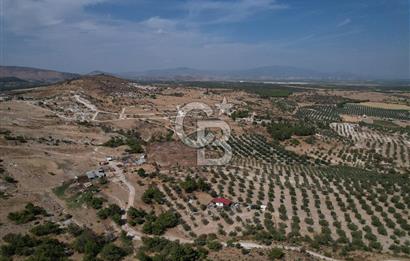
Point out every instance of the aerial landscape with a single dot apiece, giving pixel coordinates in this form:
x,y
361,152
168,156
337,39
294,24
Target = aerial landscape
x,y
191,130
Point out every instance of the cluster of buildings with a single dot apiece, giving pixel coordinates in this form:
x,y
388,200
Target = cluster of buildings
x,y
131,160
253,119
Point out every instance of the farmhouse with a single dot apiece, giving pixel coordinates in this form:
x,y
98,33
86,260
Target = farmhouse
x,y
221,202
93,174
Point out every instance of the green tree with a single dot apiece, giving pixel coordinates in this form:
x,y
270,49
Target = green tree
x,y
111,252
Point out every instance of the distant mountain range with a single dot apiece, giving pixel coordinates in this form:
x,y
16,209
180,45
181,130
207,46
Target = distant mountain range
x,y
34,74
259,73
15,77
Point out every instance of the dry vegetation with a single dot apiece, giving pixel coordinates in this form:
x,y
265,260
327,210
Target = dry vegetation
x,y
316,174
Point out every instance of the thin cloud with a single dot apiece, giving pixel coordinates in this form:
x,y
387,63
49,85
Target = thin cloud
x,y
21,16
212,12
344,22
65,35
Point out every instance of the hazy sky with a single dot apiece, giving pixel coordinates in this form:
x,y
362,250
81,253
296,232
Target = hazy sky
x,y
369,37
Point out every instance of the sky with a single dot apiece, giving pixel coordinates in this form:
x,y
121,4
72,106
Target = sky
x,y
365,37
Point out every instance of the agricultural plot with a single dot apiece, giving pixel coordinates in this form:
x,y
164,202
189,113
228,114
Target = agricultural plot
x,y
348,207
331,113
392,147
256,146
322,113
357,109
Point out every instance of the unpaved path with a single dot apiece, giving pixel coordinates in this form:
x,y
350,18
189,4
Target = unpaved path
x,y
85,102
136,235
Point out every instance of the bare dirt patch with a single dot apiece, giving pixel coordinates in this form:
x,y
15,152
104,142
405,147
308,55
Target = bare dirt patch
x,y
350,118
171,153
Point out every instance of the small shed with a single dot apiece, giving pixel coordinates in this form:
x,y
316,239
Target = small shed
x,y
221,202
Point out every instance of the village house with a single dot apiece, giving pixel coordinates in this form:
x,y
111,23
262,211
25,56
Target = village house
x,y
221,202
94,174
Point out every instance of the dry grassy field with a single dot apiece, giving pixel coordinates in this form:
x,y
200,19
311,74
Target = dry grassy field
x,y
314,176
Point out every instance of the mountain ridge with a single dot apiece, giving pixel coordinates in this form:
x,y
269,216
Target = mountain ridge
x,y
35,75
273,72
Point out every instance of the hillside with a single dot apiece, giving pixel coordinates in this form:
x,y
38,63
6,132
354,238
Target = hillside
x,y
35,74
258,73
314,174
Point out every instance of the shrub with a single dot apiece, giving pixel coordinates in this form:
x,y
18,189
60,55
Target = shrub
x,y
9,179
46,229
50,249
96,203
275,253
158,225
88,243
163,249
190,185
112,252
214,245
74,229
136,216
153,194
141,173
29,213
18,244
113,211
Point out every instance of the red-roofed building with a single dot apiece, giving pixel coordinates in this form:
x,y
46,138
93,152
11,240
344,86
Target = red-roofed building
x,y
221,202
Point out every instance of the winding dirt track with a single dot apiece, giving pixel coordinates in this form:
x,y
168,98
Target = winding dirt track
x,y
136,235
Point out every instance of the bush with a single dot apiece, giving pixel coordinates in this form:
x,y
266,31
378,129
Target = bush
x,y
88,243
190,185
136,216
9,179
96,203
24,245
74,229
164,249
131,138
49,249
284,130
141,173
114,142
112,252
29,213
18,244
214,245
201,240
153,194
158,225
275,253
46,229
113,211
